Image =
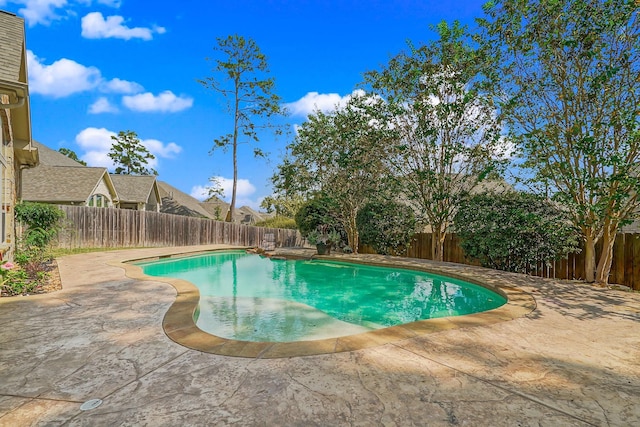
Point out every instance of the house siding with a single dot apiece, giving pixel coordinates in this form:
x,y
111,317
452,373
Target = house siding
x,y
8,195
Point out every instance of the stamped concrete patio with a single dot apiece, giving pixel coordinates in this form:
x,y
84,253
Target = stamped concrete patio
x,y
574,360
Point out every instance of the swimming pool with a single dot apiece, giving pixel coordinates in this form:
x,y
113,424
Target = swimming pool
x,y
252,298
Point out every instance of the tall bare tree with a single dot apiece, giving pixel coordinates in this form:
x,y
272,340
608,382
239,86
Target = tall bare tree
x,y
241,77
572,101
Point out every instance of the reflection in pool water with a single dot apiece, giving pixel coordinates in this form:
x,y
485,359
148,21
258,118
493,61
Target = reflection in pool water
x,y
248,297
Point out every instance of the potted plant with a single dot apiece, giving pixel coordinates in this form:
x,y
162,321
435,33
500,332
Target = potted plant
x,y
322,239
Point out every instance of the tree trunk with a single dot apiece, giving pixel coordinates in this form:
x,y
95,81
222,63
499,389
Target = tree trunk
x,y
353,238
589,258
232,206
606,258
437,243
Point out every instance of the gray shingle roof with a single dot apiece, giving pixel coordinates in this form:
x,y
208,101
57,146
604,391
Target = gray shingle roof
x,y
60,184
133,188
176,202
49,157
11,46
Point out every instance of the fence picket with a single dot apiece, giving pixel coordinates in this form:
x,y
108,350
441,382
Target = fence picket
x,y
109,227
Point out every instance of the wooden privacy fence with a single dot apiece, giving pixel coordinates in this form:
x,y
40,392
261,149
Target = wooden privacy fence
x,y
89,227
625,268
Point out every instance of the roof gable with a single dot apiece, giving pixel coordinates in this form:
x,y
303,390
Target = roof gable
x,y
135,188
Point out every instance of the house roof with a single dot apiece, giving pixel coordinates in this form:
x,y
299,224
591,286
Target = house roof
x,y
11,48
14,84
61,183
242,214
134,188
50,157
176,202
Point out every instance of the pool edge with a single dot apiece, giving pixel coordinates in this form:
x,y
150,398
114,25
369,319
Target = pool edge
x,y
179,326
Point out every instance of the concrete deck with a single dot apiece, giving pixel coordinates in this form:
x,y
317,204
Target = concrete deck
x,y
574,360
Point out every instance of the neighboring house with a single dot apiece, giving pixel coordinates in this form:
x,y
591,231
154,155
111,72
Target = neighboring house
x,y
69,185
62,181
16,150
242,215
176,202
137,192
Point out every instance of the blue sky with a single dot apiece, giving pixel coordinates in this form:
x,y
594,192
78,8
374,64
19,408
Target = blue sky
x,y
100,66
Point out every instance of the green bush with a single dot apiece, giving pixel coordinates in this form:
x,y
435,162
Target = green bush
x,y
386,226
278,222
317,214
42,222
514,231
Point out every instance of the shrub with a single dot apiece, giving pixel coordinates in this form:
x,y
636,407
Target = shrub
x,y
514,231
42,221
317,214
278,222
386,226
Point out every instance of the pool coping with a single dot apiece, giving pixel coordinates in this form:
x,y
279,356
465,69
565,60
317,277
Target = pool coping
x,y
179,326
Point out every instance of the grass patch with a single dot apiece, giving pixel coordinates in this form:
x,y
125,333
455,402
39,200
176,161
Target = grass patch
x,y
58,252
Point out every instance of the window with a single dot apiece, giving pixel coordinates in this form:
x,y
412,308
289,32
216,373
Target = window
x,y
99,201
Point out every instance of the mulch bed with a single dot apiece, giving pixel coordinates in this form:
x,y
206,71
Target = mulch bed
x,y
52,283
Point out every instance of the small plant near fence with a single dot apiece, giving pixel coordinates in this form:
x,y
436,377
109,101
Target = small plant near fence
x,y
33,257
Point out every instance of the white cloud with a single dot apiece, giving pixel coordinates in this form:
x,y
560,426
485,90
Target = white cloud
x,y
46,11
102,105
199,192
40,11
62,78
164,102
96,142
95,26
314,101
158,148
243,191
121,86
66,77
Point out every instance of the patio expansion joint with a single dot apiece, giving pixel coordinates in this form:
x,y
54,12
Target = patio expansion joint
x,y
492,384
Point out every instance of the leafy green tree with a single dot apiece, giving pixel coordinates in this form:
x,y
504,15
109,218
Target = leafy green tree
x,y
387,226
448,134
129,155
72,155
316,213
241,77
283,205
514,231
214,189
338,154
571,97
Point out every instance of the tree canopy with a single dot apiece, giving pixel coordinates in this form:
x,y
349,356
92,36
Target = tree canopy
x,y
447,132
337,154
570,95
241,77
129,155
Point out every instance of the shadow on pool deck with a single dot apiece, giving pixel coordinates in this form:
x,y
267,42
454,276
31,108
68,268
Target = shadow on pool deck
x,y
574,360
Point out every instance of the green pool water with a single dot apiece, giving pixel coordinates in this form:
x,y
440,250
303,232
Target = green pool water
x,y
252,298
